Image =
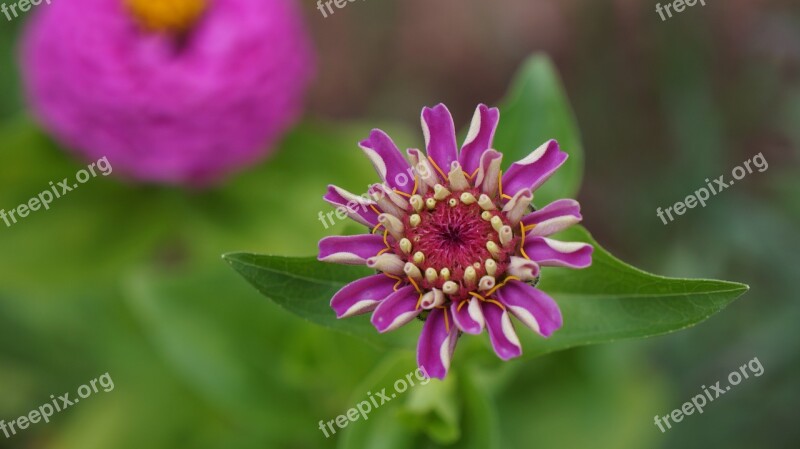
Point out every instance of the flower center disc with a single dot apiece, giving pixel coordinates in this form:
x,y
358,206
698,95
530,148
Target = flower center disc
x,y
167,15
453,237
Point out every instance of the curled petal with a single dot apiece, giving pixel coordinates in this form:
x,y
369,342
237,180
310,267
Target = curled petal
x,y
356,207
518,206
350,249
396,310
531,306
553,218
440,136
534,170
437,343
362,296
427,175
388,161
553,253
501,331
388,263
479,138
526,270
489,172
468,316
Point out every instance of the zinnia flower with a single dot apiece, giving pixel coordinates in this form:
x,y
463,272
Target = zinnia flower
x,y
455,241
171,91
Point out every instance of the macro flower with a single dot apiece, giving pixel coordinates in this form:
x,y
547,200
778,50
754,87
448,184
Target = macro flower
x,y
171,91
455,241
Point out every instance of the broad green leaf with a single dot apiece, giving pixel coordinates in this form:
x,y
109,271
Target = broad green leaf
x,y
612,300
305,286
608,301
535,110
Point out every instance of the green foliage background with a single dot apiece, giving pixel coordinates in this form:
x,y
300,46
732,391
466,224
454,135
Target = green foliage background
x,y
127,279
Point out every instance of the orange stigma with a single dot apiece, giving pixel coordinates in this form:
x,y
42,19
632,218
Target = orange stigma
x,y
167,15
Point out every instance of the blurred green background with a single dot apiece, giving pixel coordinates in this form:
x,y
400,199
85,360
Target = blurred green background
x,y
128,280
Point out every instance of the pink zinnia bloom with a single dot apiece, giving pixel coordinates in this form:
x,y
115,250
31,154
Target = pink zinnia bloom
x,y
455,241
171,91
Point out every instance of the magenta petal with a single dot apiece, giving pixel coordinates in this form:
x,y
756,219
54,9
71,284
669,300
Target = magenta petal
x,y
350,249
554,253
396,310
554,217
534,170
468,317
356,207
388,161
362,296
532,307
479,138
440,136
501,331
436,344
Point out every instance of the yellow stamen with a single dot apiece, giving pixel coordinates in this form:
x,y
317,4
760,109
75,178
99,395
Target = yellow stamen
x,y
167,15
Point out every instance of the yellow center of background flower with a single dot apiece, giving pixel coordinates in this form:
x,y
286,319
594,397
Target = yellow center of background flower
x,y
167,15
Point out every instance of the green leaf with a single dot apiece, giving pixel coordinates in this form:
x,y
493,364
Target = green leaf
x,y
612,300
304,286
608,301
535,110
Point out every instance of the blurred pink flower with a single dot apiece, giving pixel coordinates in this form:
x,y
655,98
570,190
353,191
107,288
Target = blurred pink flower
x,y
184,107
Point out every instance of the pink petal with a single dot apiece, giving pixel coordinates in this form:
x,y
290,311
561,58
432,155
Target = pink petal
x,y
553,218
553,253
440,136
437,343
534,170
501,331
355,207
531,306
396,310
350,249
388,161
479,138
362,296
468,317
